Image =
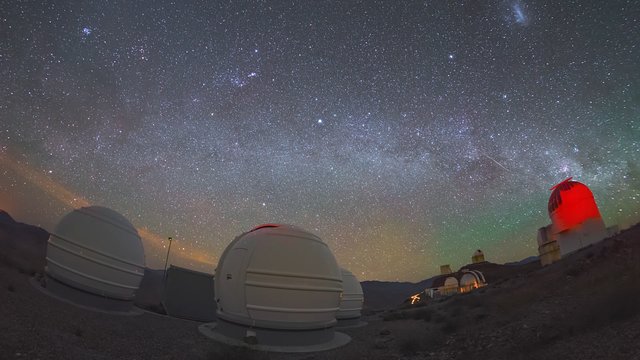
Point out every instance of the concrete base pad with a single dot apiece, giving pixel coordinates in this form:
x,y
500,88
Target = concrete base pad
x,y
210,330
84,300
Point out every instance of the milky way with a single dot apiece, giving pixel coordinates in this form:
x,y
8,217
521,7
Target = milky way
x,y
405,135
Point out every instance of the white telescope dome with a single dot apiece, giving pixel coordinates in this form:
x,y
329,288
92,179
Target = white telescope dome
x,y
96,250
278,280
352,298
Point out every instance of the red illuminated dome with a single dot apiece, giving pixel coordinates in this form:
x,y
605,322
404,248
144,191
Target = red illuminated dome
x,y
571,204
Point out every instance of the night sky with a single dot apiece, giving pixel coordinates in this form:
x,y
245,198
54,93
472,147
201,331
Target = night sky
x,y
405,134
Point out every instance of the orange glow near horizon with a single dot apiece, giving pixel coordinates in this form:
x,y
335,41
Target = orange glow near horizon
x,y
43,182
74,201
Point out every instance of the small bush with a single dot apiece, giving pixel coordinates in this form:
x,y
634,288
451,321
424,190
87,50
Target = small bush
x,y
415,314
11,288
392,316
456,311
422,314
477,302
449,327
574,270
624,303
617,301
78,333
410,346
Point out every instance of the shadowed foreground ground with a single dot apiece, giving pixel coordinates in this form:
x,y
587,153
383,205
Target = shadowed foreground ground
x,y
585,307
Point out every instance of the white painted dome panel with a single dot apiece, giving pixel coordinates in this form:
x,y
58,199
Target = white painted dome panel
x,y
451,282
352,297
97,250
469,280
280,277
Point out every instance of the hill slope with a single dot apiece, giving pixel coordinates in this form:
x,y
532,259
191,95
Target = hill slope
x,y
22,246
585,306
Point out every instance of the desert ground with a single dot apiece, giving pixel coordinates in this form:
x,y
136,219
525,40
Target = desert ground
x,y
586,306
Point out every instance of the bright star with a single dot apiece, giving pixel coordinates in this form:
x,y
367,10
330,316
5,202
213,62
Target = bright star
x,y
86,31
319,121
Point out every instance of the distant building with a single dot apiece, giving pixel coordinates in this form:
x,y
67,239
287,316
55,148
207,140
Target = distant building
x,y
449,287
471,280
453,283
189,294
477,257
575,222
445,269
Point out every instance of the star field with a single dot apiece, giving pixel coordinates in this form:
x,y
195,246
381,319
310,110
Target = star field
x,y
405,135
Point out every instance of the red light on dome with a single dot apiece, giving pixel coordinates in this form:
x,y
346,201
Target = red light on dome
x,y
571,203
264,226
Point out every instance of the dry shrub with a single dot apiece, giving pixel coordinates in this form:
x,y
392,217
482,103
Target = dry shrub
x,y
614,301
414,314
450,326
411,342
410,346
517,299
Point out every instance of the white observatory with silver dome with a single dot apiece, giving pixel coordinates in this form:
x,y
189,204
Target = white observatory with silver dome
x,y
351,302
95,257
277,288
471,280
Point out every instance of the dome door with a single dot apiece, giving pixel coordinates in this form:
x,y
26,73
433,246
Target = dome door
x,y
232,278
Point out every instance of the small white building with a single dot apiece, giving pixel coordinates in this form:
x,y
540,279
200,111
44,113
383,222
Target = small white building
x,y
478,257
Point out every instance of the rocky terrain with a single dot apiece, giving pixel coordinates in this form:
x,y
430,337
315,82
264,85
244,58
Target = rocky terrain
x,y
586,306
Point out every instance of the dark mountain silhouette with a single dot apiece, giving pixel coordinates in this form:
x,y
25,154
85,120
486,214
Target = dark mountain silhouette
x,y
6,218
524,261
22,246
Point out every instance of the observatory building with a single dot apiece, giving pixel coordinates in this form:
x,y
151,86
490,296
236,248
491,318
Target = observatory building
x,y
189,294
575,222
453,283
478,257
95,258
351,301
471,280
277,288
445,269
